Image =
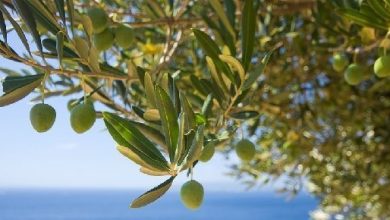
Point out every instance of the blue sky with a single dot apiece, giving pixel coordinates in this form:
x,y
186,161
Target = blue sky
x,y
60,158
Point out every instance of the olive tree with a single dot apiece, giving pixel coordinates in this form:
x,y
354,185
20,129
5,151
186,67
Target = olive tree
x,y
298,89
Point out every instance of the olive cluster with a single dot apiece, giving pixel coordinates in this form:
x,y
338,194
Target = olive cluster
x,y
106,34
354,73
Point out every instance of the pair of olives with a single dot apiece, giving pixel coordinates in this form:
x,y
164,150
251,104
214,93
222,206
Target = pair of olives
x,y
105,36
354,73
82,117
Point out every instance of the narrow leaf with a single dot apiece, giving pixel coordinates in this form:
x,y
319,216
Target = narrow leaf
x,y
180,142
168,116
3,28
16,88
71,12
235,64
248,25
211,49
127,152
150,172
153,194
17,28
125,134
28,17
196,148
254,75
44,16
153,134
60,47
60,4
207,105
244,114
189,113
149,90
378,6
218,8
51,45
362,19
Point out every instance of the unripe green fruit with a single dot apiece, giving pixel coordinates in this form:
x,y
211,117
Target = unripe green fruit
x,y
245,150
99,19
124,36
82,117
382,66
354,74
42,117
191,194
339,63
207,152
104,40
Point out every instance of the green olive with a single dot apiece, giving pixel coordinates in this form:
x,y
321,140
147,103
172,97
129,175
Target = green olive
x,y
99,19
354,74
82,117
191,194
339,62
245,150
124,36
207,152
42,117
104,40
382,67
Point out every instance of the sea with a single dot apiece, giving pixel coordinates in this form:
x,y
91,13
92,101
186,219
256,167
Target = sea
x,y
114,205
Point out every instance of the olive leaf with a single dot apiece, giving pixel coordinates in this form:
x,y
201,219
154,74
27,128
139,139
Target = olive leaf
x,y
207,105
127,152
244,114
28,17
362,19
149,90
189,113
18,87
195,149
153,134
248,25
3,27
174,93
151,172
125,134
180,143
43,16
211,49
254,75
51,45
71,13
60,47
60,4
153,194
218,8
17,28
379,7
168,116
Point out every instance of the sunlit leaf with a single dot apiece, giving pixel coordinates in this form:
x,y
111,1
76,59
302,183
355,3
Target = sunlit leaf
x,y
17,87
153,194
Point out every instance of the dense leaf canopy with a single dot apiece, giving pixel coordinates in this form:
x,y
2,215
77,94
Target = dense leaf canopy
x,y
297,78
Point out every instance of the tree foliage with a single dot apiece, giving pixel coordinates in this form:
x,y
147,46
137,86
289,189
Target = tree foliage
x,y
175,76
